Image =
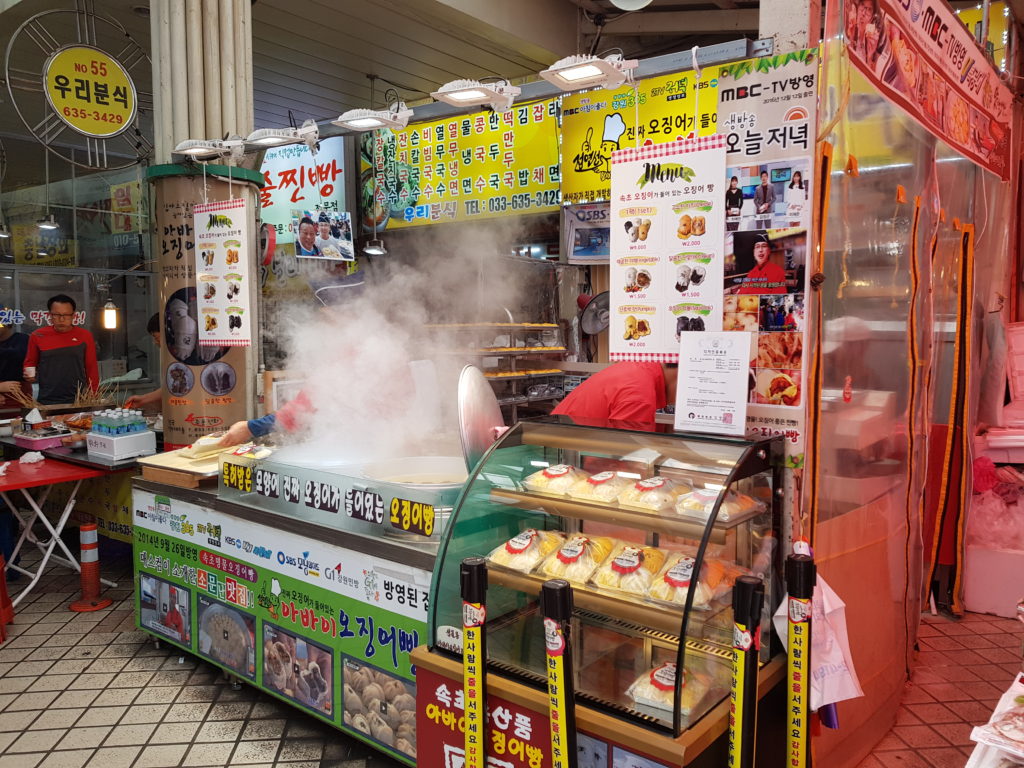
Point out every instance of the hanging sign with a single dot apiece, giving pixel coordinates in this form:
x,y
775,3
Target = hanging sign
x,y
599,122
465,168
923,58
222,273
667,246
90,91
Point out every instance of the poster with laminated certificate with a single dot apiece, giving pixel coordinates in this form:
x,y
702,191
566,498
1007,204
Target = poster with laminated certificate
x,y
223,273
667,246
712,392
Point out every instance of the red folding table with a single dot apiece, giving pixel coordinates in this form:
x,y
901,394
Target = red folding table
x,y
44,475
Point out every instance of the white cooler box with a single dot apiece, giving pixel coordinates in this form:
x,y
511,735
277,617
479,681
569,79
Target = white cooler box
x,y
993,580
121,447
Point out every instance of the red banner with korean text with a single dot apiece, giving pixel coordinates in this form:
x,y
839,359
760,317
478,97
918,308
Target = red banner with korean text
x,y
921,56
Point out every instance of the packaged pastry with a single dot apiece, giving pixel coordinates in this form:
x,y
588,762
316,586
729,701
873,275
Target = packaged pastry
x,y
578,558
556,479
523,551
701,503
656,688
630,569
675,580
653,493
604,487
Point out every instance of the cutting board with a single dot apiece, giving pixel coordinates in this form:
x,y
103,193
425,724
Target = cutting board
x,y
172,468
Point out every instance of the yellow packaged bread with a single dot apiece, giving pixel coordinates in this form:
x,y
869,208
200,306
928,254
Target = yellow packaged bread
x,y
523,551
556,479
656,688
603,487
630,569
676,579
700,503
654,493
578,558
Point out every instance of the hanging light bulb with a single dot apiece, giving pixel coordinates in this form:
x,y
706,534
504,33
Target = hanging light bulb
x,y
110,315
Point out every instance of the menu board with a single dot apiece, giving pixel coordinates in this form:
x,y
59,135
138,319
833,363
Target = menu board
x,y
223,273
654,111
465,168
667,246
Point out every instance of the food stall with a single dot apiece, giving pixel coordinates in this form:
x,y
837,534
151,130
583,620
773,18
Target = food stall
x,y
309,579
651,530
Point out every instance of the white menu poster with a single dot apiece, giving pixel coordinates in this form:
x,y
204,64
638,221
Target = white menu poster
x,y
223,273
667,246
711,395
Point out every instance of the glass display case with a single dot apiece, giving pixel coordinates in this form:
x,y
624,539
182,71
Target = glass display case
x,y
650,528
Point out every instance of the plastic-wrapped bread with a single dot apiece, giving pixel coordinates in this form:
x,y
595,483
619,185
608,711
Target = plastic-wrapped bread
x,y
701,502
603,487
556,479
676,579
630,569
523,551
654,493
656,688
578,558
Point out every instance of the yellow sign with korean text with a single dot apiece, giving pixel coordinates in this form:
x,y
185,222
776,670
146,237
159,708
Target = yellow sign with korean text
x,y
34,247
476,166
90,91
125,202
599,122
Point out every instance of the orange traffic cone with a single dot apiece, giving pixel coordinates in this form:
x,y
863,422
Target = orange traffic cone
x,y
6,606
90,561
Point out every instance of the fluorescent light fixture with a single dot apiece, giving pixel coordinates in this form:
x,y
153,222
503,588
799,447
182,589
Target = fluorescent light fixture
x,y
575,72
375,248
396,116
4,232
472,93
308,133
110,315
48,223
204,149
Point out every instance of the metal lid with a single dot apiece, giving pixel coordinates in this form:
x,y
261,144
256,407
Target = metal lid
x,y
479,414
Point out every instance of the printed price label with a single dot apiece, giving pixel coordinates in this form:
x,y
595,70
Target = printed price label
x,y
412,516
322,496
267,483
290,487
237,476
364,505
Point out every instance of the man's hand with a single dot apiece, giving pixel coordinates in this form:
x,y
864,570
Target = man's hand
x,y
238,433
9,387
144,401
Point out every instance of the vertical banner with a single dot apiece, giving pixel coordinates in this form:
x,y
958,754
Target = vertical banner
x,y
667,255
223,274
205,387
767,115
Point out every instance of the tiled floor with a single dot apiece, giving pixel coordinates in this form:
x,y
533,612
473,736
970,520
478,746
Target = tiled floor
x,y
88,690
963,668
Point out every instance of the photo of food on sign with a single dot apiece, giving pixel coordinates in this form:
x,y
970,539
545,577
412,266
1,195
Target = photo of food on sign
x,y
774,387
637,229
636,328
765,262
768,195
379,705
637,280
298,668
227,636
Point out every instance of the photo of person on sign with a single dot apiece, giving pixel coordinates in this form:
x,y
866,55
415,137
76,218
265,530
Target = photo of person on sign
x,y
765,276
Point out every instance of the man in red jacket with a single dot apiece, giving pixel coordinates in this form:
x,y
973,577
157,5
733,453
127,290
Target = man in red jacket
x,y
61,357
622,392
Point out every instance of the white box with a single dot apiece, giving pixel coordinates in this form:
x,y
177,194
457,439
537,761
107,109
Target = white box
x,y
992,581
121,447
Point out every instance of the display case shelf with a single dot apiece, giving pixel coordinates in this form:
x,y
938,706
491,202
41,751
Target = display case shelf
x,y
635,611
670,522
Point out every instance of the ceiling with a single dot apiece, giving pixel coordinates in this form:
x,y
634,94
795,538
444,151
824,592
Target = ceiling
x,y
315,58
